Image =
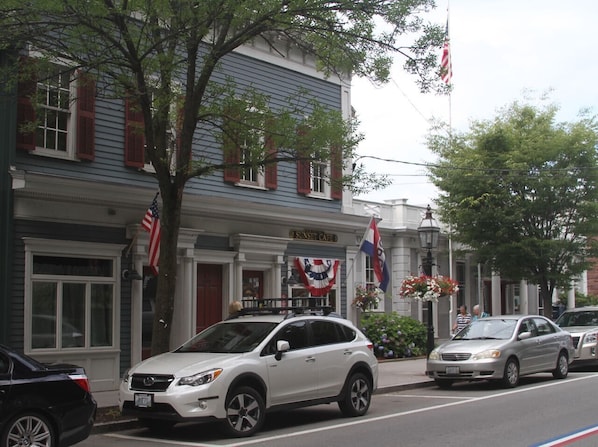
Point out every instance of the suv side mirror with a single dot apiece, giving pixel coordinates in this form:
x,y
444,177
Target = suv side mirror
x,y
281,346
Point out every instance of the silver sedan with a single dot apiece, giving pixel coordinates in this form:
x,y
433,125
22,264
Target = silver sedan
x,y
502,348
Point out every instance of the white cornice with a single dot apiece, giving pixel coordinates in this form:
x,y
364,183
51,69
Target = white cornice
x,y
62,191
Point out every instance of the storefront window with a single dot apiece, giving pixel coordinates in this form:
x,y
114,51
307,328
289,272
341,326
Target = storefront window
x,y
72,302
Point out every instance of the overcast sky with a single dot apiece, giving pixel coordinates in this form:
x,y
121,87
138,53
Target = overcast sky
x,y
500,49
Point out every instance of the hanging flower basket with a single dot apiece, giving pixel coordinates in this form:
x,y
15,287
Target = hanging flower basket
x,y
367,298
428,288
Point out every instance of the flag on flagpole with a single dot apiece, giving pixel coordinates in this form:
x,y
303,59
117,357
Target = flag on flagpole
x,y
151,224
371,244
446,66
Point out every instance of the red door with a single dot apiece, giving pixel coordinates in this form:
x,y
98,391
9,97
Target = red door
x,y
209,295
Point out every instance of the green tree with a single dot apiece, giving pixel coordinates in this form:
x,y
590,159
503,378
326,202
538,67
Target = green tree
x,y
520,191
164,52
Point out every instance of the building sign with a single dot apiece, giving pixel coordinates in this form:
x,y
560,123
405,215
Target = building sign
x,y
313,235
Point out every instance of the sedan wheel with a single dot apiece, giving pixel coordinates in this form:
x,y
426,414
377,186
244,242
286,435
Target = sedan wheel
x,y
245,412
510,377
30,429
562,367
357,396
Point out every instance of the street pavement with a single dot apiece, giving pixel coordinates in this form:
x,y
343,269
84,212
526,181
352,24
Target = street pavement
x,y
392,375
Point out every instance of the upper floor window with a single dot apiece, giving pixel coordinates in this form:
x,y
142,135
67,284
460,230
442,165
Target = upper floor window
x,y
245,145
136,149
321,178
319,182
250,173
55,111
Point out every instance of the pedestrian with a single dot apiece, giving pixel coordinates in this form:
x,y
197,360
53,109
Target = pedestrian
x,y
462,320
476,313
234,308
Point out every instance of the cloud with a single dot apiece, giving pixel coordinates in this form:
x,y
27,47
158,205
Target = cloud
x,y
500,50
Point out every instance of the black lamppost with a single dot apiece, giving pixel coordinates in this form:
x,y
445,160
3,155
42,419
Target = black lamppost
x,y
428,231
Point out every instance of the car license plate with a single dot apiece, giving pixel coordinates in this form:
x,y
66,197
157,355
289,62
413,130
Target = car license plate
x,y
144,400
452,370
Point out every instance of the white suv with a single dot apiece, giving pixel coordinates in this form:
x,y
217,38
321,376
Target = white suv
x,y
236,370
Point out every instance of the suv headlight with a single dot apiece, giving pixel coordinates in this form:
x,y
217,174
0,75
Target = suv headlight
x,y
201,378
592,337
489,354
434,355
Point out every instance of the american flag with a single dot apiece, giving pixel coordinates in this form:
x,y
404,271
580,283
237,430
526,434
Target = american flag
x,y
151,224
446,67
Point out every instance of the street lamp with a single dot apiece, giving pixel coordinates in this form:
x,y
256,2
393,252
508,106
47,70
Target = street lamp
x,y
428,231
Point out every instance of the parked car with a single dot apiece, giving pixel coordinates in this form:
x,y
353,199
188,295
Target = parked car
x,y
255,362
43,405
502,348
582,323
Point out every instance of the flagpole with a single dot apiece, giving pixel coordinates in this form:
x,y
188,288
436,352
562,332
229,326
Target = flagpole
x,y
450,122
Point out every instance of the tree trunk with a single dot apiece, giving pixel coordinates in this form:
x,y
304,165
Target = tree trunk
x,y
165,293
546,297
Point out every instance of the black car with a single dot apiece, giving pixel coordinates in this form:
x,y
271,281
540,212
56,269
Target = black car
x,y
43,405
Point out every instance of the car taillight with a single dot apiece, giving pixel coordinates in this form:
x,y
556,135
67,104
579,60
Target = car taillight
x,y
371,346
81,380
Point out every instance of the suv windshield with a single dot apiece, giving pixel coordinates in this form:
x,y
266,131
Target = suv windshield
x,y
229,337
487,329
583,318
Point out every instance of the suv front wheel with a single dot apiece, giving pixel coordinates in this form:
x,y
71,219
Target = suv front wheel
x,y
245,412
357,396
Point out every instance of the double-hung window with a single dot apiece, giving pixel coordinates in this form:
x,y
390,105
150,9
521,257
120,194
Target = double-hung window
x,y
321,179
246,144
55,111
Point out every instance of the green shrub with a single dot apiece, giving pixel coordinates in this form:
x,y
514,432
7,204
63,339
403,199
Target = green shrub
x,y
393,335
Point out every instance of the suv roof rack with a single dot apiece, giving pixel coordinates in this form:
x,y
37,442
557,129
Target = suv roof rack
x,y
275,306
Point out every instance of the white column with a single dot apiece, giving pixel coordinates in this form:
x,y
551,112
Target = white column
x,y
351,280
571,296
136,310
276,282
238,279
183,320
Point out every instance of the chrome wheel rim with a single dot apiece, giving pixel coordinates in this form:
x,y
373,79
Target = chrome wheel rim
x,y
243,412
29,431
360,394
512,373
563,365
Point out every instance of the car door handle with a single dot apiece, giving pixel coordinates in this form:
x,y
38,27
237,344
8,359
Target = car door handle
x,y
347,352
310,359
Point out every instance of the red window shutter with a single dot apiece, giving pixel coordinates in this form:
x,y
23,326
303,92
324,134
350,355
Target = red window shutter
x,y
336,173
134,137
303,177
271,170
86,98
25,111
232,154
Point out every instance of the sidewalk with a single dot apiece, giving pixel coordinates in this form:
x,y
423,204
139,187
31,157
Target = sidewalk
x,y
393,375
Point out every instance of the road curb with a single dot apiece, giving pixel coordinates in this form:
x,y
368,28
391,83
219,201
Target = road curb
x,y
407,386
